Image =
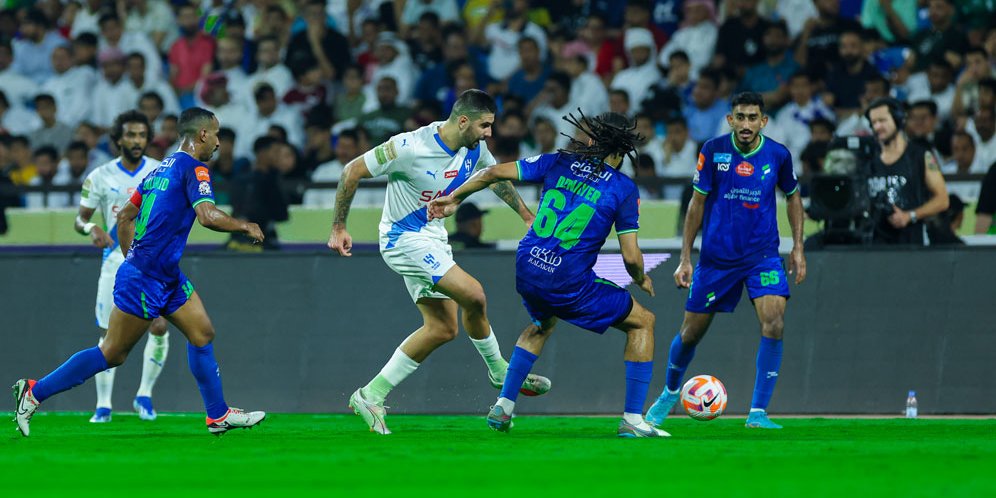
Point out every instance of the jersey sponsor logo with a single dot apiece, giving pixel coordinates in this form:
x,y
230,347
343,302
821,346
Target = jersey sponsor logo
x,y
586,170
751,205
428,195
723,166
721,157
765,170
202,174
450,174
544,259
532,159
204,188
431,173
745,169
385,152
701,163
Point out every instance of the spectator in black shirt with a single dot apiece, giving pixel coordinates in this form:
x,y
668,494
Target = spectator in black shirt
x,y
943,228
846,81
426,42
739,43
469,228
264,202
818,43
942,40
320,43
986,206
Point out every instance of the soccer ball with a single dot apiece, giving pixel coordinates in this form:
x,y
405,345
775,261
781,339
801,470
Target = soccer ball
x,y
703,397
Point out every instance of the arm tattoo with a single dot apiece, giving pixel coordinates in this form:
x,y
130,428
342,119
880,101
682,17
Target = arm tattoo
x,y
343,199
931,161
506,192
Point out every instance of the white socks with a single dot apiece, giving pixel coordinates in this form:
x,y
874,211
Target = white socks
x,y
105,384
633,418
491,352
395,370
506,404
156,350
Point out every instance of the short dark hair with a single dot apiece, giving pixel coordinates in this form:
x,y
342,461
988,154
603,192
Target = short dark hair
x,y
87,38
712,75
561,78
963,134
132,116
779,25
429,16
263,143
226,133
943,64
135,55
473,103
528,39
3,99
262,89
108,16
878,78
989,83
977,50
36,16
929,105
824,122
623,93
77,145
679,54
676,119
47,150
44,97
611,133
193,120
350,133
154,96
748,99
19,140
801,74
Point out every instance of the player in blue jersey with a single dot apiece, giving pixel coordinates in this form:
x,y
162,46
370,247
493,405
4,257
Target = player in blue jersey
x,y
734,204
584,195
150,284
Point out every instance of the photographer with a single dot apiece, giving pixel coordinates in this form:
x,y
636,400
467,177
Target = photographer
x,y
906,174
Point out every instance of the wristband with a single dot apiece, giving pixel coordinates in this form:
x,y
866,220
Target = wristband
x,y
88,227
912,216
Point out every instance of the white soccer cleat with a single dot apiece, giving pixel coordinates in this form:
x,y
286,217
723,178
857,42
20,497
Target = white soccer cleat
x,y
372,413
234,418
25,405
534,385
643,429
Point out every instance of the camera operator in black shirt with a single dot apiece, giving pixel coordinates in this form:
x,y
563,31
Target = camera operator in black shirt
x,y
905,175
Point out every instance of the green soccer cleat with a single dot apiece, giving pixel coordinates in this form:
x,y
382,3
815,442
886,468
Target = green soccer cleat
x,y
371,413
760,420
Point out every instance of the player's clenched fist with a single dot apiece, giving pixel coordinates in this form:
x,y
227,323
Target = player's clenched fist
x,y
341,242
683,275
442,207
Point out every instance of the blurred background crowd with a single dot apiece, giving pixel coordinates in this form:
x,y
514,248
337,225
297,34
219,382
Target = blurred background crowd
x,y
303,86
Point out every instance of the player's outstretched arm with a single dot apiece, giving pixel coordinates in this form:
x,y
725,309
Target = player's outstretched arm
x,y
212,218
447,205
633,259
126,225
693,222
797,260
339,240
84,226
506,192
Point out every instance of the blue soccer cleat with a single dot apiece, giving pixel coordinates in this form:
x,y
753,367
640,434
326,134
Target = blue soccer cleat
x,y
101,416
498,420
143,405
760,420
662,407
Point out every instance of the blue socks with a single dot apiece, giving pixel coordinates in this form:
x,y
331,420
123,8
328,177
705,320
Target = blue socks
x,y
76,370
205,370
678,359
637,383
769,360
518,368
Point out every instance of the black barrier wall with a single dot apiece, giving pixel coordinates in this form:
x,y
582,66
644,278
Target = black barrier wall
x,y
300,332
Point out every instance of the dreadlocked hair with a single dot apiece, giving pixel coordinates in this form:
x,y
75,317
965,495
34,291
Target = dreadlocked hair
x,y
611,133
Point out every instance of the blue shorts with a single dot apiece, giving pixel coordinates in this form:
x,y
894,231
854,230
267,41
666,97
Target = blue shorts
x,y
718,290
596,306
145,297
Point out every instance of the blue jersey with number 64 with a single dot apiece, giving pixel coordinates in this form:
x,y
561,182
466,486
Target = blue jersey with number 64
x,y
576,213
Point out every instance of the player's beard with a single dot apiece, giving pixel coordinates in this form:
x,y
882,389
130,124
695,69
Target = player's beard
x,y
133,154
890,139
745,145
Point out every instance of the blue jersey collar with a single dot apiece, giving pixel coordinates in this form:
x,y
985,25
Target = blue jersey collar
x,y
131,173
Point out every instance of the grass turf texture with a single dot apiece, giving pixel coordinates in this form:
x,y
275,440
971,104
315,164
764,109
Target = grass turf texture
x,y
332,455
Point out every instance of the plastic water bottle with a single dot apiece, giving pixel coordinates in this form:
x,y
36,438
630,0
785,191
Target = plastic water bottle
x,y
911,410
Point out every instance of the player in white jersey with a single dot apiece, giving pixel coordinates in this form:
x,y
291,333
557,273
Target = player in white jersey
x,y
107,189
421,165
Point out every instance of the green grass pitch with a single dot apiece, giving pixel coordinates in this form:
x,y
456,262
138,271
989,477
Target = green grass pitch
x,y
334,455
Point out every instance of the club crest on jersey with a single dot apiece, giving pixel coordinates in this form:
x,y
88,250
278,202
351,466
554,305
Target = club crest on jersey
x,y
451,174
467,164
204,188
745,169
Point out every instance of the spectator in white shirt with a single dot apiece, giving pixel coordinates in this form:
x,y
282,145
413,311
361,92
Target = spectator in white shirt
x,y
346,148
983,131
790,125
269,112
87,18
393,61
544,138
642,72
33,52
18,89
652,145
586,86
962,154
228,56
71,86
114,93
445,9
503,37
152,17
46,160
113,35
16,120
680,153
269,70
136,73
935,84
553,103
696,37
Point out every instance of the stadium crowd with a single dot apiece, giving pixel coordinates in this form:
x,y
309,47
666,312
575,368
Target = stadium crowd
x,y
303,86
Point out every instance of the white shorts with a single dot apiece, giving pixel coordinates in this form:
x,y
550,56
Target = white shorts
x,y
105,287
422,261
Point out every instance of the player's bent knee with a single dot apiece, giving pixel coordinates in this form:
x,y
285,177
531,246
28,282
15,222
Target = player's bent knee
x,y
444,333
201,338
773,327
158,328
